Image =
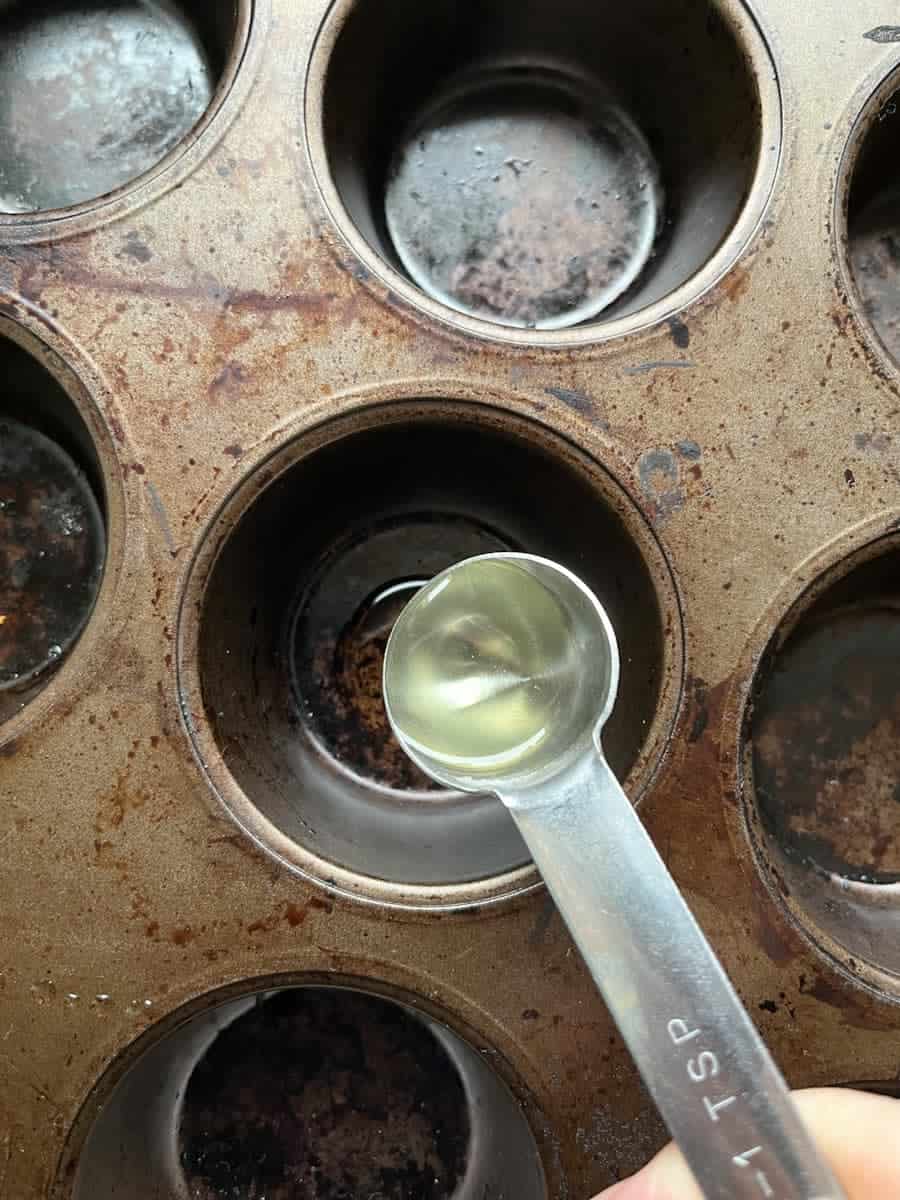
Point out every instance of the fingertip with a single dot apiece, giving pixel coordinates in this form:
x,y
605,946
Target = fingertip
x,y
666,1177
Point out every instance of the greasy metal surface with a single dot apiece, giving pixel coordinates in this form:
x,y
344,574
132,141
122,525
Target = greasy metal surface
x,y
755,431
51,556
525,197
93,94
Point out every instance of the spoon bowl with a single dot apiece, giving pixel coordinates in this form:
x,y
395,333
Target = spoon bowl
x,y
500,673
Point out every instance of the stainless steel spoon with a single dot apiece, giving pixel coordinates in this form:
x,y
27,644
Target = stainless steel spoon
x,y
499,676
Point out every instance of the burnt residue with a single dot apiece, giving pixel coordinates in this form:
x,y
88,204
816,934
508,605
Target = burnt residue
x,y
659,365
134,247
52,547
679,332
826,743
698,691
321,1094
343,621
690,450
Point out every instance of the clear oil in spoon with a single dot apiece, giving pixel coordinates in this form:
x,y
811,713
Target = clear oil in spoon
x,y
485,672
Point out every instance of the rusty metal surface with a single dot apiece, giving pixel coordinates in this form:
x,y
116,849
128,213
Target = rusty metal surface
x,y
750,429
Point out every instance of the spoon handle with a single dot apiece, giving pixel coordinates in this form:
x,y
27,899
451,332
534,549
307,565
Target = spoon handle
x,y
711,1076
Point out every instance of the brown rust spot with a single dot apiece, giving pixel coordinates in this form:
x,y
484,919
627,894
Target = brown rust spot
x,y
774,935
854,1006
265,924
294,916
735,283
115,805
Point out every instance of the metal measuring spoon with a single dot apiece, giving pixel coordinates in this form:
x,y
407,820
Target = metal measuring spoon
x,y
499,676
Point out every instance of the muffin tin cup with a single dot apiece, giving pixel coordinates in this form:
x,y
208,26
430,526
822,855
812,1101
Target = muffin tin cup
x,y
820,775
401,1100
222,341
423,128
288,620
156,83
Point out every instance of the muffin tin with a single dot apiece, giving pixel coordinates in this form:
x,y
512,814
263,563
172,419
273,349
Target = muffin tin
x,y
218,870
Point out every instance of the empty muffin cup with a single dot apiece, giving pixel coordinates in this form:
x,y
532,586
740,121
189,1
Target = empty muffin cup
x,y
94,93
544,165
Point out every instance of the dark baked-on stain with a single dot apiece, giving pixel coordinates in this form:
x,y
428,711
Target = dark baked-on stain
x,y
322,1094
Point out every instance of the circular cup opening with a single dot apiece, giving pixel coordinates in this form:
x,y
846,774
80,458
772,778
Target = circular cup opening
x,y
52,527
542,165
297,605
824,751
873,216
94,93
309,1093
